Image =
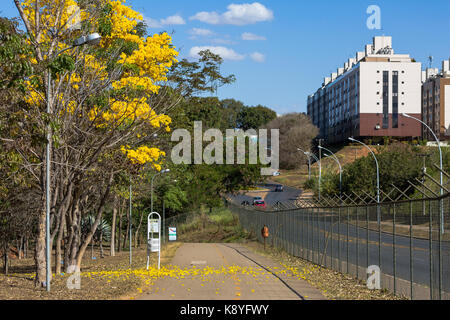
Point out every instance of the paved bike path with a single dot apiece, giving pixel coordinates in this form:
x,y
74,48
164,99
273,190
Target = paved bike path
x,y
229,272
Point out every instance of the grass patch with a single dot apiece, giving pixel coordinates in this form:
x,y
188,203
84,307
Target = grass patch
x,y
218,226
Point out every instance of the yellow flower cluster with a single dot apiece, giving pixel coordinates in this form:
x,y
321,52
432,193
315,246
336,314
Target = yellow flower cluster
x,y
121,111
32,96
49,17
153,58
144,155
123,20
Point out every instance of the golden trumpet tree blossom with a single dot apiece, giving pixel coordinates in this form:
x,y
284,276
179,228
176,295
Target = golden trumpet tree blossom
x,y
144,67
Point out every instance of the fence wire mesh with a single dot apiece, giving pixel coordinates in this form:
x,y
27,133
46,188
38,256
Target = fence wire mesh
x,y
408,240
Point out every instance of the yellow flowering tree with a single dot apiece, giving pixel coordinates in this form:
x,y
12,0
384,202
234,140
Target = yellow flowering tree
x,y
106,102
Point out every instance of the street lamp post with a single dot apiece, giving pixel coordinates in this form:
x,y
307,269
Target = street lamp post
x,y
309,162
441,204
320,167
378,174
130,224
91,39
440,160
340,168
157,174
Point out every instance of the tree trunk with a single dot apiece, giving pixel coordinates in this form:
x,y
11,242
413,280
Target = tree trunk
x,y
25,248
92,248
126,233
58,255
136,234
101,244
96,223
62,224
5,257
113,228
119,235
39,254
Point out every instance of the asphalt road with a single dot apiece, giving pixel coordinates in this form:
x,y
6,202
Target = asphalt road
x,y
228,272
289,195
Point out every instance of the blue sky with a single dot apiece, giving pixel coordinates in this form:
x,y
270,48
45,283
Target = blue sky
x,y
298,42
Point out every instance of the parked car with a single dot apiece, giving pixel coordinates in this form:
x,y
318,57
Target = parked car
x,y
256,199
259,204
276,174
279,188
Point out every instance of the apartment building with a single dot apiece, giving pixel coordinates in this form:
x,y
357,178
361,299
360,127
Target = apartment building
x,y
436,102
365,97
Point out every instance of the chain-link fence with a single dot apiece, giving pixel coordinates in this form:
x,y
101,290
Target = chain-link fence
x,y
174,222
409,241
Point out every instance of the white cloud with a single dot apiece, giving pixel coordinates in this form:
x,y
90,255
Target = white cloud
x,y
237,14
152,23
201,32
225,53
169,21
252,37
258,57
173,20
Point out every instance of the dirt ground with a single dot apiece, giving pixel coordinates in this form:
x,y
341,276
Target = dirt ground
x,y
107,278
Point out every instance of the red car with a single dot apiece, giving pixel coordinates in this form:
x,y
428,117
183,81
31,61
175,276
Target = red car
x,y
260,204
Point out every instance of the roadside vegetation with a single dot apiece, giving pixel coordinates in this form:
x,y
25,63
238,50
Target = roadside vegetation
x,y
399,162
218,226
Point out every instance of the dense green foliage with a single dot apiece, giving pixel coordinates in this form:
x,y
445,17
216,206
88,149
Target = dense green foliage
x,y
398,164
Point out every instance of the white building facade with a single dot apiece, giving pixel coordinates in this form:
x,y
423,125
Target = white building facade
x,y
366,97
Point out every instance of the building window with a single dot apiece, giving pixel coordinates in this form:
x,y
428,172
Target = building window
x,y
385,99
395,99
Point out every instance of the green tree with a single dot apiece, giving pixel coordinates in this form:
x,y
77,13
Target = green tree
x,y
255,117
398,164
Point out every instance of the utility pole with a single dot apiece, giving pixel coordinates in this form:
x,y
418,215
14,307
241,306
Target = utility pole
x,y
164,222
130,225
424,170
320,164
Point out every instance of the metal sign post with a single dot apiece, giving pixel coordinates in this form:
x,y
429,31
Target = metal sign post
x,y
172,234
153,243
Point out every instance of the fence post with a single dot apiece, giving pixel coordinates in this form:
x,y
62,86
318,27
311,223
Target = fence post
x,y
309,236
431,249
339,239
313,233
441,227
303,233
348,234
292,227
380,219
357,243
394,251
367,243
332,234
318,234
411,247
296,237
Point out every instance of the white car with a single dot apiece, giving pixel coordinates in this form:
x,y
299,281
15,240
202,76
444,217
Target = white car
x,y
276,174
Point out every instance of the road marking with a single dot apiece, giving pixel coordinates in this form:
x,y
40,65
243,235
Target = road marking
x,y
197,262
